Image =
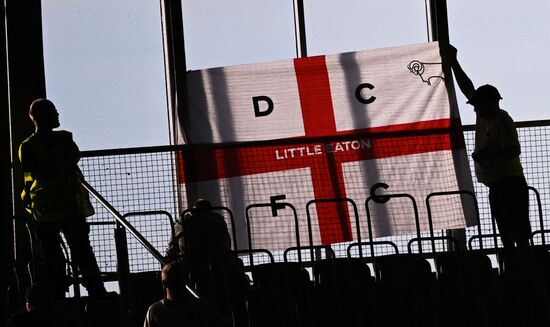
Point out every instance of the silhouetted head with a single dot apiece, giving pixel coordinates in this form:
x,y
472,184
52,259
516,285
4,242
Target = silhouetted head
x,y
43,114
485,93
173,279
202,204
485,99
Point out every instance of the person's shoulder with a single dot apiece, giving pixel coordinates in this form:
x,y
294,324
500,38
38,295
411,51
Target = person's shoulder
x,y
63,134
504,117
503,113
200,214
208,215
152,313
156,305
27,140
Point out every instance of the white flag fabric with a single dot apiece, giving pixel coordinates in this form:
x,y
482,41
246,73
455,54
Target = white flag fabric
x,y
328,127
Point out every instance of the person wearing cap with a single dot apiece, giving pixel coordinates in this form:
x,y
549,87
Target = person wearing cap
x,y
496,157
57,201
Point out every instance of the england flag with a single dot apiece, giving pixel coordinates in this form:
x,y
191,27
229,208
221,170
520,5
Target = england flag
x,y
327,127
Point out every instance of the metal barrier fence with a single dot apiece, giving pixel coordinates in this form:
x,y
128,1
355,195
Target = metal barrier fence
x,y
141,182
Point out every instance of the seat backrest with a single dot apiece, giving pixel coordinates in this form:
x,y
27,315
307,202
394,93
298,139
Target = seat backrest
x,y
531,262
464,266
403,268
280,277
343,273
272,310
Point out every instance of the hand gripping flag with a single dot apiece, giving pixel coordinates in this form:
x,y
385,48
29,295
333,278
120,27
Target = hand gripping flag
x,y
327,127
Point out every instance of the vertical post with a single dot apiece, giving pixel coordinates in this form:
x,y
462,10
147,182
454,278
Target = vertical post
x,y
6,214
175,68
174,65
123,265
24,75
437,22
438,30
300,29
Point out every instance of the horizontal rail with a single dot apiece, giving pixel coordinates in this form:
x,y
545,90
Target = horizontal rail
x,y
171,148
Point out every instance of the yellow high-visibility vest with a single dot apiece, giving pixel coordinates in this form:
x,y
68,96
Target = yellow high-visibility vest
x,y
49,167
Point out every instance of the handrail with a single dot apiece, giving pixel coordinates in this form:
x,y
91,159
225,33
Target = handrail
x,y
371,243
432,239
459,192
383,199
541,218
475,237
270,205
253,251
121,220
328,200
518,124
329,251
182,147
153,212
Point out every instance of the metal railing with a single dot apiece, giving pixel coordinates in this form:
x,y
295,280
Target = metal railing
x,y
122,221
145,179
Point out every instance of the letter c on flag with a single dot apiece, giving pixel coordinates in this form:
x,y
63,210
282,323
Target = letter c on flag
x,y
358,95
262,98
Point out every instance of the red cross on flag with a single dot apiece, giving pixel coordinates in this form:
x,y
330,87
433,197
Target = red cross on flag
x,y
327,127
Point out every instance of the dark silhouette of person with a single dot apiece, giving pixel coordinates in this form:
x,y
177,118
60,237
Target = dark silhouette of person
x,y
179,307
57,201
38,311
496,157
206,237
216,271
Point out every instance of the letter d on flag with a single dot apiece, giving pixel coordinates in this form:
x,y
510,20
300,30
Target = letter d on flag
x,y
257,110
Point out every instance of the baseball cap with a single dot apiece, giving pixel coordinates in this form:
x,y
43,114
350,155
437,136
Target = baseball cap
x,y
484,92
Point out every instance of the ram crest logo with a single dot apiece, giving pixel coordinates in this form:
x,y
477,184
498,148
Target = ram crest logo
x,y
424,69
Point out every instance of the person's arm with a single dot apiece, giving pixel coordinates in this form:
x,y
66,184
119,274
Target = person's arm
x,y
72,153
449,55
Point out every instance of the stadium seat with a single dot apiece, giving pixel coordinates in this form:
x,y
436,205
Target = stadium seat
x,y
342,295
402,295
523,286
280,277
283,284
343,274
464,293
108,312
226,287
273,310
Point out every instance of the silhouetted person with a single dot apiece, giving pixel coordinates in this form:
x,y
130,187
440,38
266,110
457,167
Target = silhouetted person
x,y
496,157
57,201
214,269
179,307
38,310
206,237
